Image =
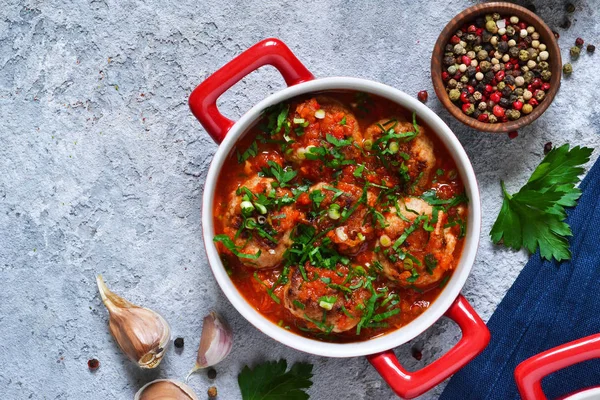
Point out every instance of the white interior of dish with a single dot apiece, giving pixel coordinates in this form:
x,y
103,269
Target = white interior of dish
x,y
454,285
588,394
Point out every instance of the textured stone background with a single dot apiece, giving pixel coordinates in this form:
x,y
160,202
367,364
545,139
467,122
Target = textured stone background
x,y
102,167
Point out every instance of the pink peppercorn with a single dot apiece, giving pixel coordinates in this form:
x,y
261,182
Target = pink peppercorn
x,y
472,29
445,76
422,96
455,39
470,89
495,97
465,107
518,105
545,86
466,60
498,111
536,83
500,76
533,102
579,42
513,134
482,118
489,88
464,96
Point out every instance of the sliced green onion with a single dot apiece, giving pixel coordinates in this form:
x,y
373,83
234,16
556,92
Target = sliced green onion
x,y
408,264
250,223
320,114
359,270
385,240
394,147
368,144
247,207
261,209
360,236
298,120
334,211
327,302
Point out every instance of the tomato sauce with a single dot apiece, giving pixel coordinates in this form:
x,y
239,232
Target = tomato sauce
x,y
340,216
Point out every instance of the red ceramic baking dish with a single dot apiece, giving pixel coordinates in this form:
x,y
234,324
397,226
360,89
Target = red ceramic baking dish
x,y
529,373
450,302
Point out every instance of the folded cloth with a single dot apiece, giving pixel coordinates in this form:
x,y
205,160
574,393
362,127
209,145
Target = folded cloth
x,y
549,304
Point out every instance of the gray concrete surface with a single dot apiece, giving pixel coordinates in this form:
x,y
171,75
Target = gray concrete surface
x,y
102,167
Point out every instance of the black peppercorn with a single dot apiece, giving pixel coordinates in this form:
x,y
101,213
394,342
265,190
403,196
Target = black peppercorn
x,y
547,147
488,77
449,48
506,91
591,48
476,113
449,60
509,79
566,24
178,342
416,353
471,71
211,373
503,47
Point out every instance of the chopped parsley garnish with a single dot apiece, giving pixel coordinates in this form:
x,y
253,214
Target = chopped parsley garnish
x,y
430,263
317,197
228,243
269,290
282,175
251,151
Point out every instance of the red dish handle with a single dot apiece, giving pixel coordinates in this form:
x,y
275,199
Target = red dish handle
x,y
475,337
529,373
203,100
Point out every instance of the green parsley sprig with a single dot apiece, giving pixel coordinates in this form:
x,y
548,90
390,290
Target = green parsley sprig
x,y
534,217
270,381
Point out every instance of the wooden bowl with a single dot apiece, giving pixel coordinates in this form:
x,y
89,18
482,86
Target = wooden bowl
x,y
506,10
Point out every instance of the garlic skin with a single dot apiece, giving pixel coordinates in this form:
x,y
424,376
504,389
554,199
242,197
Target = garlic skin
x,y
141,333
162,389
215,342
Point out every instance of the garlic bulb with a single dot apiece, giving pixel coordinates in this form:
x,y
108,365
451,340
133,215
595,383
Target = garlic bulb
x,y
162,389
215,343
142,334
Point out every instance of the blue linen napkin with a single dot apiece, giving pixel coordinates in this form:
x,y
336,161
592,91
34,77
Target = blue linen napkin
x,y
548,305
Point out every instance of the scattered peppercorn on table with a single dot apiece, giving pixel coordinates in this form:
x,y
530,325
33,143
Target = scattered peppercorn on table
x,y
103,168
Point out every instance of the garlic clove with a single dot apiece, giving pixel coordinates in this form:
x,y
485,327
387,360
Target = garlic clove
x,y
141,333
162,389
215,342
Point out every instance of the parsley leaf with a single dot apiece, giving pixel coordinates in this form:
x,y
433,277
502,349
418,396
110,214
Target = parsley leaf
x,y
270,381
283,175
535,216
227,242
338,142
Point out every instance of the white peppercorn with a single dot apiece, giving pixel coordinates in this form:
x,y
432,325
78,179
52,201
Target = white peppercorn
x,y
527,95
544,55
519,81
479,76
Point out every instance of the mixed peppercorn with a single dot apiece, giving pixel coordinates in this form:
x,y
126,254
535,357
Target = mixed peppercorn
x,y
496,69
